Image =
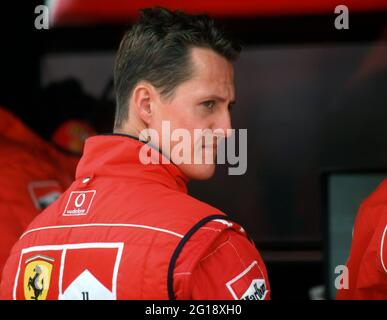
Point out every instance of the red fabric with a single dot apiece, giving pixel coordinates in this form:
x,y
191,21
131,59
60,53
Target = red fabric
x,y
229,270
367,263
100,11
131,217
32,173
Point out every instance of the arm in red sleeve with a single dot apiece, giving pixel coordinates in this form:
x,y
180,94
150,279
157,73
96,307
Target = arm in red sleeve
x,y
230,269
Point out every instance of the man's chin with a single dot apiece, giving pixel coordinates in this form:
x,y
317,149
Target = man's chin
x,y
198,171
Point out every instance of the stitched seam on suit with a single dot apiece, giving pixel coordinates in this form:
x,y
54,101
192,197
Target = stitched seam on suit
x,y
236,251
216,249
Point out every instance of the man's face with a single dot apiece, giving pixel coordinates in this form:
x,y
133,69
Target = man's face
x,y
203,102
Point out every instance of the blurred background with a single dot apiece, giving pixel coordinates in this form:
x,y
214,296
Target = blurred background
x,y
313,99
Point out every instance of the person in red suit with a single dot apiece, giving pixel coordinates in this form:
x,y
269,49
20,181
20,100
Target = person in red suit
x,y
126,228
33,173
367,263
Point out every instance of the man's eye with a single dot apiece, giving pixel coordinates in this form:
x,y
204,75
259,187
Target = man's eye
x,y
209,104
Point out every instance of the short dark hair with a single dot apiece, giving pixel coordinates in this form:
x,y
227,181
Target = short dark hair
x,y
156,49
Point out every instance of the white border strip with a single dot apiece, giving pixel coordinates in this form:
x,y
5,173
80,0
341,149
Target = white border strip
x,y
17,278
103,225
115,271
381,249
62,261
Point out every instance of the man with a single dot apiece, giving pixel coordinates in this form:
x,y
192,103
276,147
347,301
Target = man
x,y
126,228
367,262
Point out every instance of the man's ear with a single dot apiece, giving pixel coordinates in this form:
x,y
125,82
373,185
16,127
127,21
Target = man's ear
x,y
142,98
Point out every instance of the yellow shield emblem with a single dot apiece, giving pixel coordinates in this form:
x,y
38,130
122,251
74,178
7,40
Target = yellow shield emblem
x,y
37,275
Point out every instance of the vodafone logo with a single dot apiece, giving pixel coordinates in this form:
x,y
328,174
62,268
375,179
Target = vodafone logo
x,y
79,203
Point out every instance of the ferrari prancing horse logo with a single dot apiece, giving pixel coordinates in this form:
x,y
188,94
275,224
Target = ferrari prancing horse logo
x,y
37,277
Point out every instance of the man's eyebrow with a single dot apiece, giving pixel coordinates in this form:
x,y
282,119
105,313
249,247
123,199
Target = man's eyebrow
x,y
216,97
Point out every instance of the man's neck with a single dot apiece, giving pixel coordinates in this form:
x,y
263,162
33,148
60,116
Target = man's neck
x,y
130,129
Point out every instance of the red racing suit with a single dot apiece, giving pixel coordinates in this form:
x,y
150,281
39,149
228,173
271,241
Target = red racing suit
x,y
32,175
367,263
125,230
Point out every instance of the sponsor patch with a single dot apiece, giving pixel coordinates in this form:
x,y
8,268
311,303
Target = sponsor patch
x,y
90,280
37,276
250,284
43,193
79,203
69,272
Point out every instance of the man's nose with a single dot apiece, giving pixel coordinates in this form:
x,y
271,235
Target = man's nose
x,y
224,124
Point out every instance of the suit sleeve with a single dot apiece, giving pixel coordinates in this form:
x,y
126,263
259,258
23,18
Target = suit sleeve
x,y
231,269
